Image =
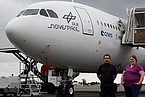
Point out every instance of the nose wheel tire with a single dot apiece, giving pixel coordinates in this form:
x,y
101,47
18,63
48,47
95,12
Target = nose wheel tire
x,y
70,90
66,90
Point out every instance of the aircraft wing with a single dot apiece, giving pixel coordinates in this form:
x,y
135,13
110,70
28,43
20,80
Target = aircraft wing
x,y
9,50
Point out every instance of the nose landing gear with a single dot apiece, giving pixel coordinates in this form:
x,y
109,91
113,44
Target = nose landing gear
x,y
66,87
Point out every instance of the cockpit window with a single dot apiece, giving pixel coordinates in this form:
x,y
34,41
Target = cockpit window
x,y
21,13
31,12
43,12
52,13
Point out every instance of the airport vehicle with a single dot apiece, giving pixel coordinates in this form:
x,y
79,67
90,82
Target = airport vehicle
x,y
74,37
22,85
51,78
9,85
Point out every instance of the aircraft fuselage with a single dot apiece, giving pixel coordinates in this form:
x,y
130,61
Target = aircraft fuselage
x,y
70,35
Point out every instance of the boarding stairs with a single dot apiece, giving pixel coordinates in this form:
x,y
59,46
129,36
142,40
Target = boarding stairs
x,y
30,63
135,30
29,84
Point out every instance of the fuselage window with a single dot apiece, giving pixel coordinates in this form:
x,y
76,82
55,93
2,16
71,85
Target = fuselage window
x,y
43,12
31,12
101,23
98,22
52,13
21,13
118,28
113,27
105,24
108,25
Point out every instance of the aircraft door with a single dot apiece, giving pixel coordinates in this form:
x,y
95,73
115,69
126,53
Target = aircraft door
x,y
87,27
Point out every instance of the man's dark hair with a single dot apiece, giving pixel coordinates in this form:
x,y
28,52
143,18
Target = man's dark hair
x,y
107,55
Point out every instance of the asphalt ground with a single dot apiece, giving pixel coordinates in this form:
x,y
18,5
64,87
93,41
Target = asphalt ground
x,y
90,91
93,91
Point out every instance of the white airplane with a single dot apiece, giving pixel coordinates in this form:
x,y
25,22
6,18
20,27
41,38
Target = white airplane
x,y
70,36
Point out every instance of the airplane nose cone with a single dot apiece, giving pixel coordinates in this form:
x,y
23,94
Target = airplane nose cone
x,y
17,31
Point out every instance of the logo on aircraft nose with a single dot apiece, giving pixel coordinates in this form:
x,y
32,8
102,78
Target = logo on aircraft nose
x,y
69,17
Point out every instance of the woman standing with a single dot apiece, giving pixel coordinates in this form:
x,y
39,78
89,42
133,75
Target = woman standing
x,y
132,77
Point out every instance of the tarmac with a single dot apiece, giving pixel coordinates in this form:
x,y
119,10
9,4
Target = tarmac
x,y
93,91
90,91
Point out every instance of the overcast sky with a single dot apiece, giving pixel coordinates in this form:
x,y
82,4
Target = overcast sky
x,y
10,8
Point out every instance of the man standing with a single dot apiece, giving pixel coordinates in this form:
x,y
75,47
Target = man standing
x,y
107,74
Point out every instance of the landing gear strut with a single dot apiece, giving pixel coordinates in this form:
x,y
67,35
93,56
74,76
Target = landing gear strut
x,y
66,87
